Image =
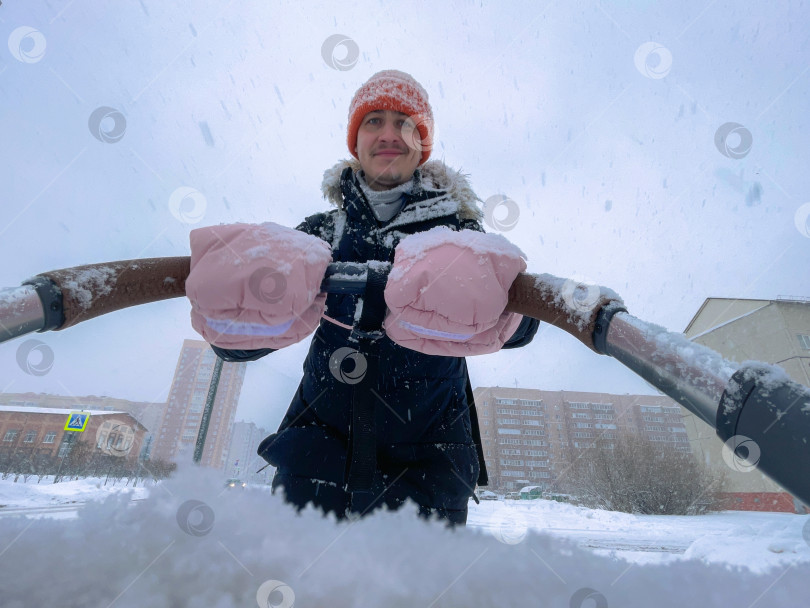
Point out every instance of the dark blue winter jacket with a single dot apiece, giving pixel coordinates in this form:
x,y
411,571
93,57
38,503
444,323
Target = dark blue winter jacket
x,y
411,413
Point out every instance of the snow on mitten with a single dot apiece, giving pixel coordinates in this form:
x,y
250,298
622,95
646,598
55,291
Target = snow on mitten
x,y
447,291
256,285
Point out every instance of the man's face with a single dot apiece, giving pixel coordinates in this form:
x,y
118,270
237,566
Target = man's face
x,y
384,155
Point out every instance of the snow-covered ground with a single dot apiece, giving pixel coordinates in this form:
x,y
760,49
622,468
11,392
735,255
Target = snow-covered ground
x,y
757,541
189,541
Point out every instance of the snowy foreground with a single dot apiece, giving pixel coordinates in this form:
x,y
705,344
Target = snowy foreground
x,y
190,542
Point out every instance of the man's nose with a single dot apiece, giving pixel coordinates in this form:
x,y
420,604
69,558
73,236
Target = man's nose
x,y
391,132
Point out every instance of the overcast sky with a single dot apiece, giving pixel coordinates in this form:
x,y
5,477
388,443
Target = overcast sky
x,y
600,120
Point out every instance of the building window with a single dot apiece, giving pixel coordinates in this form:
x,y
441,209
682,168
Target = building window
x,y
30,436
536,453
804,341
10,435
49,437
67,445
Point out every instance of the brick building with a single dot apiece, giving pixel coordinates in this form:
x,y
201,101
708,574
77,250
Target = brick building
x,y
40,432
530,436
148,414
181,421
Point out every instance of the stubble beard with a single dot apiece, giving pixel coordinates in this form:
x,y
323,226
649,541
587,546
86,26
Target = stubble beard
x,y
385,179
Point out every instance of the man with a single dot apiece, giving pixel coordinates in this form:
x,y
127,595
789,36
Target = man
x,y
384,412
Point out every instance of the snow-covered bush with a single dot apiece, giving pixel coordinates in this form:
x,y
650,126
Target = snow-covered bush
x,y
634,475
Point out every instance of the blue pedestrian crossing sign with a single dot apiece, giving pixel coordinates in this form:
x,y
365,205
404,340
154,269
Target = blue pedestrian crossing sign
x,y
77,421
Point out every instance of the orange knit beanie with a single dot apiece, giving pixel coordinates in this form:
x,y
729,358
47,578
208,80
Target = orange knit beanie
x,y
398,91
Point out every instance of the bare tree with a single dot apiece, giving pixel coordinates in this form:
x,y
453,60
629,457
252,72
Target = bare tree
x,y
634,475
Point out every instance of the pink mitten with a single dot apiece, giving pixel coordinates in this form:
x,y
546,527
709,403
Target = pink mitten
x,y
447,291
256,285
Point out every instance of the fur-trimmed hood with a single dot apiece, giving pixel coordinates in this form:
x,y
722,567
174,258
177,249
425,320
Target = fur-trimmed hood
x,y
433,175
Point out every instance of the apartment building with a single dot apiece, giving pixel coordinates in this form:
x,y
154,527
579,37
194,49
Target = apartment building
x,y
531,436
181,421
243,462
774,331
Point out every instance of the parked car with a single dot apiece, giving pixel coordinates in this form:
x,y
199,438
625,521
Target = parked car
x,y
487,495
512,496
235,483
531,492
558,497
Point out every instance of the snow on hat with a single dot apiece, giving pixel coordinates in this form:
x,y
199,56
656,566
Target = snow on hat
x,y
398,91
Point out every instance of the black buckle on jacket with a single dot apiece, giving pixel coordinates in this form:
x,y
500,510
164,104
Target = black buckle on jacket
x,y
369,325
